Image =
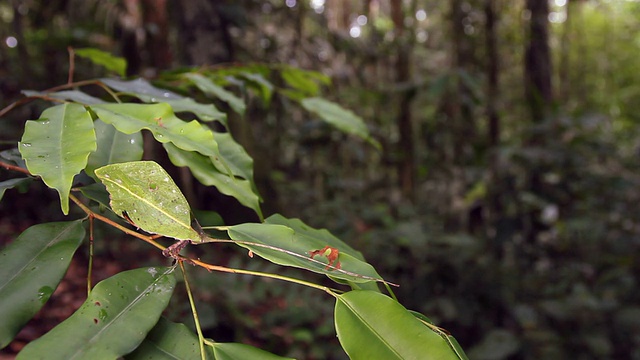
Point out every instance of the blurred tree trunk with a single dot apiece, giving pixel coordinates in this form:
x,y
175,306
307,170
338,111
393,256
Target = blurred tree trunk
x,y
406,167
23,54
157,39
204,32
130,26
495,205
492,66
538,91
538,87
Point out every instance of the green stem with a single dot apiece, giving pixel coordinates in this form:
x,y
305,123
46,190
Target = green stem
x,y
332,292
90,270
393,295
196,320
205,265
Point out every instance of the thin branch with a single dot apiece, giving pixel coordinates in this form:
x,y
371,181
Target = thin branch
x,y
14,168
72,64
194,311
210,267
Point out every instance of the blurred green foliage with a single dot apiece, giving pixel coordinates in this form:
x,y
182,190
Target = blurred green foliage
x,y
569,293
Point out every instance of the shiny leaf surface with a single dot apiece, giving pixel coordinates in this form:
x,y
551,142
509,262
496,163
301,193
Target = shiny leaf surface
x,y
165,126
143,193
112,322
148,93
373,326
31,267
113,147
282,245
203,170
57,146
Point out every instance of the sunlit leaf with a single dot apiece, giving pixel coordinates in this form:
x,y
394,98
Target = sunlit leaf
x,y
109,61
31,267
203,170
113,147
165,126
339,117
143,193
148,93
112,322
282,245
57,146
373,326
210,88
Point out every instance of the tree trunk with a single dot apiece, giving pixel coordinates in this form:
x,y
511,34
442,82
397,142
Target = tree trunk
x,y
538,61
492,66
204,34
157,41
538,90
406,167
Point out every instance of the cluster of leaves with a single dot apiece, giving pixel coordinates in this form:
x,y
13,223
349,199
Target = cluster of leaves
x,y
89,150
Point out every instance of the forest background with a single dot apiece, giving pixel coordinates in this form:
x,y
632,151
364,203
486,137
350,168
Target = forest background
x,y
504,199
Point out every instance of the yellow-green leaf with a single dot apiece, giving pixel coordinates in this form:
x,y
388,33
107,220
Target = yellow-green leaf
x,y
143,193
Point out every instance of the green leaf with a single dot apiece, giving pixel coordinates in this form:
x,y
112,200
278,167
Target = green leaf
x,y
11,183
165,126
235,351
282,245
13,157
32,266
146,194
96,192
316,236
373,326
305,82
113,147
71,95
202,168
57,146
322,238
259,82
235,156
113,321
148,93
170,341
99,57
339,117
210,88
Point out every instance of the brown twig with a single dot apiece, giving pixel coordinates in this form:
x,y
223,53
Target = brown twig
x,y
72,64
14,168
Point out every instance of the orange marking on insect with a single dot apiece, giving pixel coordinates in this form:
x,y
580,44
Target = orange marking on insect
x,y
159,122
331,254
